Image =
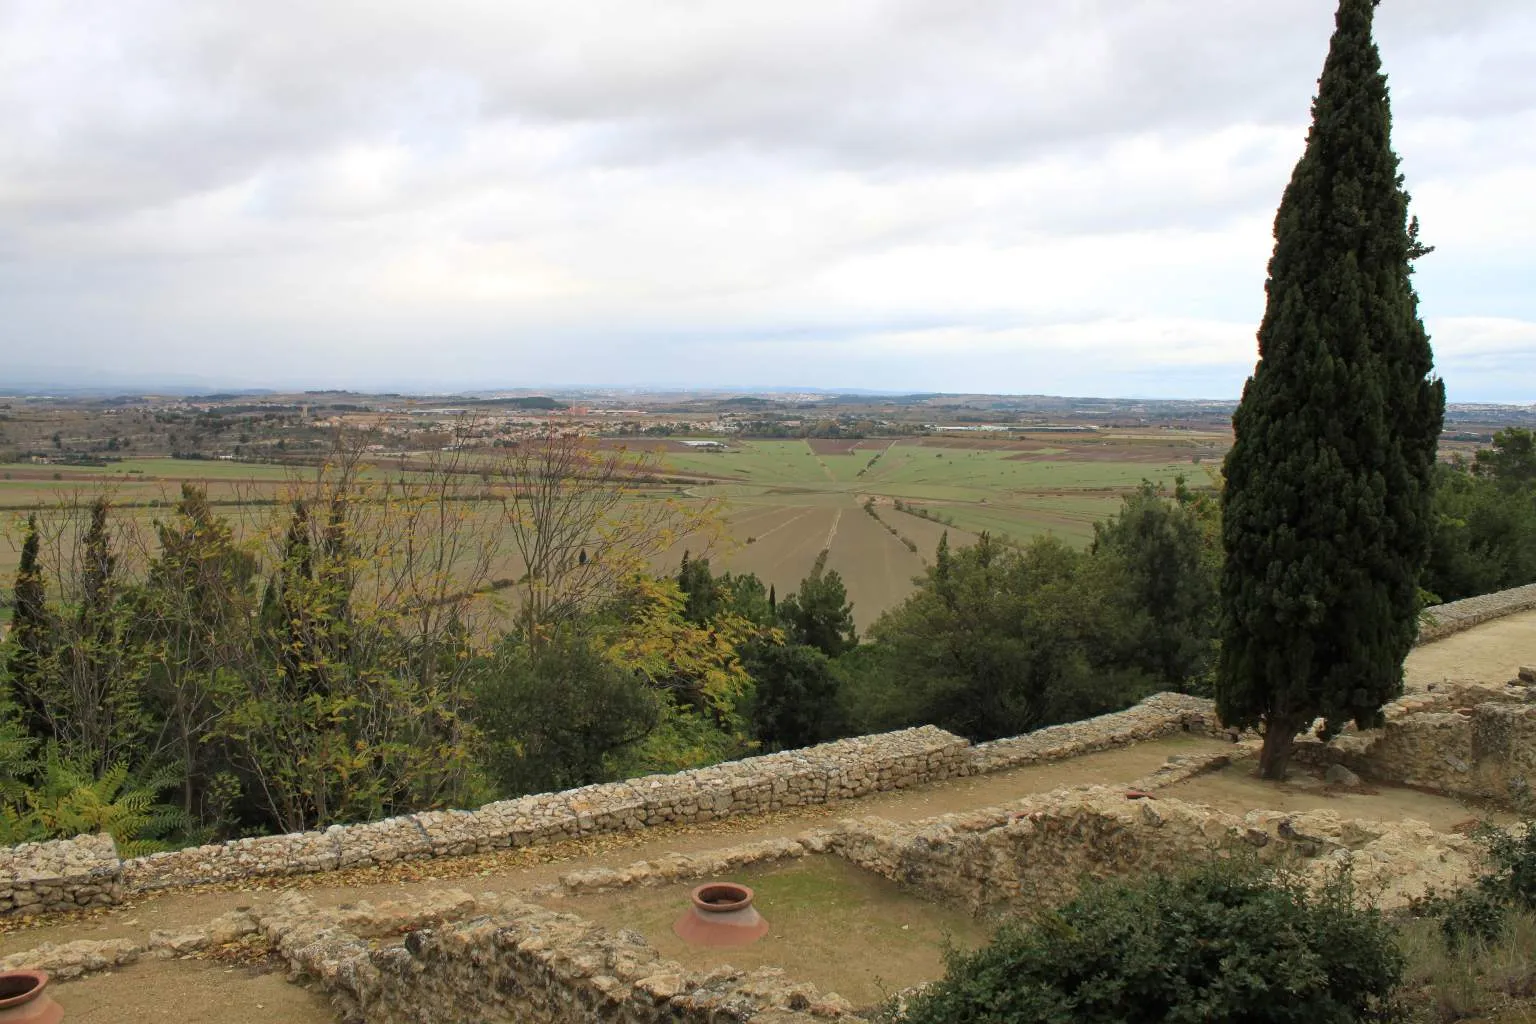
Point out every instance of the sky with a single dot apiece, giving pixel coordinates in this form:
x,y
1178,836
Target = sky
x,y
1046,197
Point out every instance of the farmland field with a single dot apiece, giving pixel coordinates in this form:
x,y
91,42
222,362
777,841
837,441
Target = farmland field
x,y
786,500
781,502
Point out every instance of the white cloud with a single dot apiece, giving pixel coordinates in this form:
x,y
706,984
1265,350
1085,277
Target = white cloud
x,y
967,194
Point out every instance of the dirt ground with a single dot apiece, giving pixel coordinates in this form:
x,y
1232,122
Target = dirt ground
x,y
191,992
1237,790
1490,653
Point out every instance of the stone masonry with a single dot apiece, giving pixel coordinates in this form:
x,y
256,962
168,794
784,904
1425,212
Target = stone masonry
x,y
840,770
67,874
1441,621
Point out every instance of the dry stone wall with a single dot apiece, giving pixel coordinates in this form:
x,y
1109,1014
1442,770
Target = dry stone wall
x,y
1162,714
841,770
1441,621
67,874
514,960
832,771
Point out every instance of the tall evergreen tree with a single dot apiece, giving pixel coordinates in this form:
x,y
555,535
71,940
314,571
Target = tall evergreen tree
x,y
1326,515
31,635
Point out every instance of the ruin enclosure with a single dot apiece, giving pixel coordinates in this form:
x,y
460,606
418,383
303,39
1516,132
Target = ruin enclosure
x,y
865,857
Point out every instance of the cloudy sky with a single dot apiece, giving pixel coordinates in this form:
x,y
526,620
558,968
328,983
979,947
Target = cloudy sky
x,y
1046,196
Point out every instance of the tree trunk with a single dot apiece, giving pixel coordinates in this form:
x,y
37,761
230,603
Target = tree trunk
x,y
1279,738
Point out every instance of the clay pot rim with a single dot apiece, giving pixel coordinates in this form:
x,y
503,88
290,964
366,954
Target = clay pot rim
x,y
743,894
40,980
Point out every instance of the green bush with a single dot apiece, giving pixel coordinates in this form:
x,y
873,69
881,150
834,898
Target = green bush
x,y
1224,942
1474,915
550,717
1513,854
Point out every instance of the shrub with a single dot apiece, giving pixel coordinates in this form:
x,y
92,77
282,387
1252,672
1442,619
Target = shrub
x,y
550,717
1513,854
1223,942
69,799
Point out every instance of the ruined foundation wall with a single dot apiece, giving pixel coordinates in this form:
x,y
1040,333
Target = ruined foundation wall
x,y
1487,752
1037,852
525,963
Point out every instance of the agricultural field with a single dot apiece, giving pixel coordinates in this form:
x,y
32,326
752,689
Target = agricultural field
x,y
785,501
780,502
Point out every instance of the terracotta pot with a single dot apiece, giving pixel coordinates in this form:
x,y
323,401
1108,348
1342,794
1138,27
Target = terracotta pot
x,y
23,1001
722,915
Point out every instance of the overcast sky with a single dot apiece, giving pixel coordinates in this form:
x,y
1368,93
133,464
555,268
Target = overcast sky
x,y
1042,196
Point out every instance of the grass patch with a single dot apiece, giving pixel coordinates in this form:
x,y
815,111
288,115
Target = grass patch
x,y
844,929
1476,979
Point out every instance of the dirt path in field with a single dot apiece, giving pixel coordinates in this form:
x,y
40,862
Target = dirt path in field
x,y
837,517
788,522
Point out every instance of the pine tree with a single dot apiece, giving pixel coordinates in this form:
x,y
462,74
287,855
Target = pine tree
x,y
1327,506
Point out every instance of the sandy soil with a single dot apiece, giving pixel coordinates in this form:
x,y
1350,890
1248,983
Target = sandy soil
x,y
1237,790
191,992
1490,653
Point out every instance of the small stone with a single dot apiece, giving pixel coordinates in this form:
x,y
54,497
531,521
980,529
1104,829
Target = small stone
x,y
1150,816
1526,676
1338,775
661,987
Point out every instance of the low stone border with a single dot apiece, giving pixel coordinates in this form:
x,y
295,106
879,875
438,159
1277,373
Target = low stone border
x,y
677,867
1484,752
1441,621
1162,714
832,771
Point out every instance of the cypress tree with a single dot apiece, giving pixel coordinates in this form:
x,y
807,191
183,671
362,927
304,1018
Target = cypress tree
x,y
31,635
1326,514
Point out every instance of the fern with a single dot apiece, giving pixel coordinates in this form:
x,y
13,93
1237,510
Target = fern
x,y
69,801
